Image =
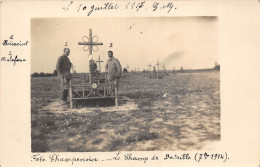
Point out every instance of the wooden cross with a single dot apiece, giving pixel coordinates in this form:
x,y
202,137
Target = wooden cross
x,y
90,45
99,63
163,67
150,66
158,64
90,42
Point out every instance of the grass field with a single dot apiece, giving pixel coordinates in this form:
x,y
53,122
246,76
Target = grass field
x,y
178,112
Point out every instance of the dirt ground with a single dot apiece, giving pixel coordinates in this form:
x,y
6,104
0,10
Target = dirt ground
x,y
177,112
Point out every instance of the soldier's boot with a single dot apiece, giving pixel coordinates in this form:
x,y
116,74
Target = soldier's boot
x,y
65,94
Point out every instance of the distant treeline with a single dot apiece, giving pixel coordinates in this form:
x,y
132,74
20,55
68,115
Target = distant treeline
x,y
181,70
54,74
216,68
196,70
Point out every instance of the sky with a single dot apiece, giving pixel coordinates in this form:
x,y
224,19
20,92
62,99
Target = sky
x,y
188,42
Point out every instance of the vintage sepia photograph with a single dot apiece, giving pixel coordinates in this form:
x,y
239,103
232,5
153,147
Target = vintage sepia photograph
x,y
125,84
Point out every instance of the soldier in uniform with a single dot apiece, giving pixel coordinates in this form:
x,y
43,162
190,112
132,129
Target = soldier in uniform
x,y
63,68
113,69
93,67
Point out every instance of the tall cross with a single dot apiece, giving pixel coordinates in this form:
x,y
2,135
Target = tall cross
x,y
163,67
99,63
158,64
150,66
90,42
90,45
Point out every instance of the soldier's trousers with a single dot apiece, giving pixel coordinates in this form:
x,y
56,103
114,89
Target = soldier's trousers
x,y
111,89
64,88
65,94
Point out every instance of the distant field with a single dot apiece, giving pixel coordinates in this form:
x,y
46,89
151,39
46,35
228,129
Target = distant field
x,y
178,112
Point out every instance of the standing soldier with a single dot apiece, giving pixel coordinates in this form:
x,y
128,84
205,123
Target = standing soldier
x,y
113,69
63,68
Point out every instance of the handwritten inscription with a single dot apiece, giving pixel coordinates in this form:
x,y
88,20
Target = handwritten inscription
x,y
38,158
10,57
135,5
58,158
135,158
11,43
169,6
197,157
180,157
14,43
106,6
117,157
205,156
89,8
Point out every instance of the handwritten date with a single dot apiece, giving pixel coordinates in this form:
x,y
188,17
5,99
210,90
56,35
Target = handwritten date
x,y
112,6
90,8
217,156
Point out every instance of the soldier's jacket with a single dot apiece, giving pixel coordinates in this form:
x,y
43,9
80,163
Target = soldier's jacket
x,y
113,68
63,65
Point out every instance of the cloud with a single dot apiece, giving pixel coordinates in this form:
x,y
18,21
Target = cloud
x,y
173,56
